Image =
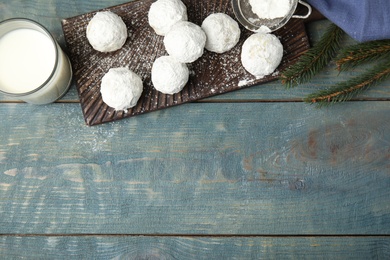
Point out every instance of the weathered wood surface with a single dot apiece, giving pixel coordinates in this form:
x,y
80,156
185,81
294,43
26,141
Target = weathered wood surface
x,y
242,169
125,247
255,174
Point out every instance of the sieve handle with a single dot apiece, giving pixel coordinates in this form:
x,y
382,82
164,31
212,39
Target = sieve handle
x,y
309,10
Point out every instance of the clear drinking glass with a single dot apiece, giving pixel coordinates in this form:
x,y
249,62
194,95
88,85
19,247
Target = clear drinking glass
x,y
23,59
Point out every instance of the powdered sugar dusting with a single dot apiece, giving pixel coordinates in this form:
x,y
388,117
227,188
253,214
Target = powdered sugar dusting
x,y
270,9
211,74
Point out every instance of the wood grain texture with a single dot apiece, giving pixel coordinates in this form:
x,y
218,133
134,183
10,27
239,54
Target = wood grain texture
x,y
166,248
280,175
198,169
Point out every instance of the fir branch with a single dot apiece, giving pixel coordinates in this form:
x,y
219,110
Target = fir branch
x,y
314,59
345,91
364,52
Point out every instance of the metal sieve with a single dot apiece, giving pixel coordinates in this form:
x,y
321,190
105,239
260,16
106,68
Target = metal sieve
x,y
243,12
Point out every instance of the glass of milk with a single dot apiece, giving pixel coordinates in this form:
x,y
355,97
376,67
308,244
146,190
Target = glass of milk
x,y
33,67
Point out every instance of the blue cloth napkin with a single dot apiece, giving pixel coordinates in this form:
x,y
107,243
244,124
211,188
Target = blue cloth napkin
x,y
363,20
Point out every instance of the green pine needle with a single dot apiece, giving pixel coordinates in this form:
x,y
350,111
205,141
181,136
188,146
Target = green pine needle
x,y
314,59
355,55
345,91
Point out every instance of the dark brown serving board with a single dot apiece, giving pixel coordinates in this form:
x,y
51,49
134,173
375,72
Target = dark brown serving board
x,y
211,75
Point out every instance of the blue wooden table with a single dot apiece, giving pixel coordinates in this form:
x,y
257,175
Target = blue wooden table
x,y
251,174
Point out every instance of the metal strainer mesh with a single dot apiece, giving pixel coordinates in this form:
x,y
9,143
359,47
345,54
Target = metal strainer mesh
x,y
243,12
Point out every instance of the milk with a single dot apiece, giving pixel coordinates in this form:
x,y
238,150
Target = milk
x,y
27,60
33,67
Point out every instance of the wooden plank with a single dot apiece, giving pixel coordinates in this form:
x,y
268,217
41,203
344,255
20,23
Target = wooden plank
x,y
248,168
130,247
51,15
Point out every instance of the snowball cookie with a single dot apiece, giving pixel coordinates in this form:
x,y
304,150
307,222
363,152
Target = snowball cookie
x,y
106,32
223,33
163,14
261,54
121,88
168,75
185,42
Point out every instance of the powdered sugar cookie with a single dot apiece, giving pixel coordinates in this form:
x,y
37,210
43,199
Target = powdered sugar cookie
x,y
106,32
185,42
222,31
121,88
261,54
163,14
168,75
